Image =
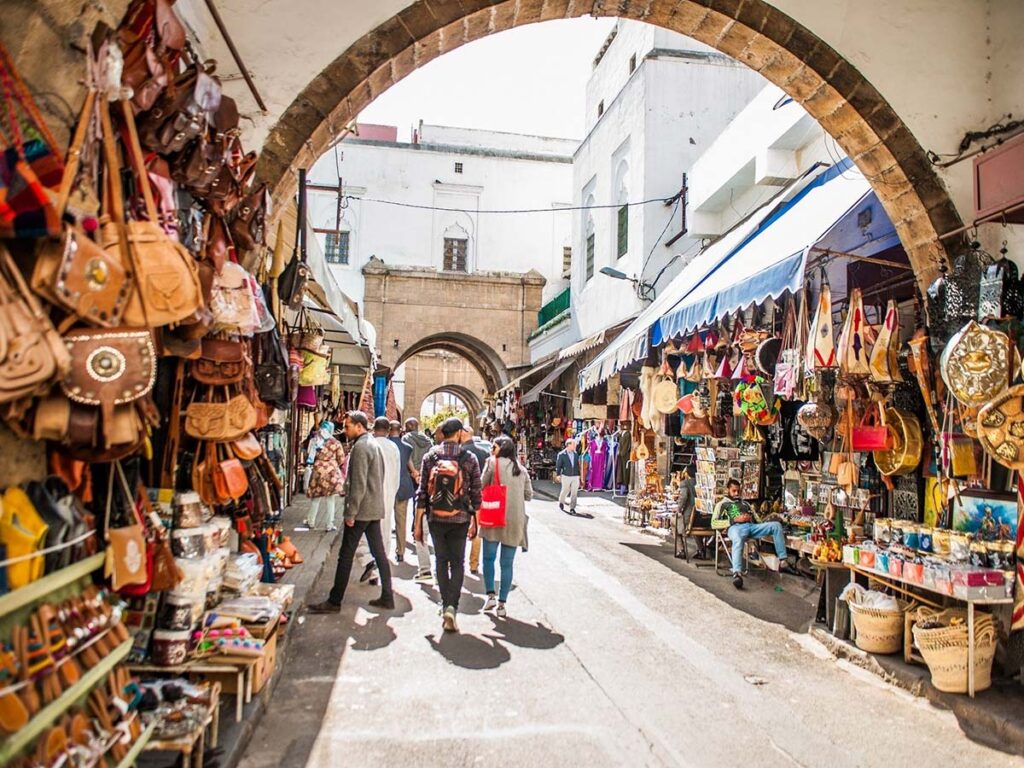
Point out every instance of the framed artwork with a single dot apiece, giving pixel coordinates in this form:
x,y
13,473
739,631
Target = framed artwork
x,y
990,514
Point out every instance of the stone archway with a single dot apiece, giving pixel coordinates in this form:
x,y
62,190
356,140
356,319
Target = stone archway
x,y
754,32
473,402
477,353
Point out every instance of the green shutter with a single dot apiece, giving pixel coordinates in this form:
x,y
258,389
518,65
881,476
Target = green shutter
x,y
590,257
623,244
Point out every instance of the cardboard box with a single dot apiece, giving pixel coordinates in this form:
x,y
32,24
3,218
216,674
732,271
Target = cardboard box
x,y
264,668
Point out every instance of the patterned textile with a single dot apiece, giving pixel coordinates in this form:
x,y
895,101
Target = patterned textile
x,y
328,478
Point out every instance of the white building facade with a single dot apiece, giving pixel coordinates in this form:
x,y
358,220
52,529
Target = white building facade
x,y
425,203
655,101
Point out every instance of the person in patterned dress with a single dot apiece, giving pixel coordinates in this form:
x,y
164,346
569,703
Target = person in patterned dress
x,y
327,483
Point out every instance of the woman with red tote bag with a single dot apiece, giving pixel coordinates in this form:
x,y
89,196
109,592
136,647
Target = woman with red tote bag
x,y
503,518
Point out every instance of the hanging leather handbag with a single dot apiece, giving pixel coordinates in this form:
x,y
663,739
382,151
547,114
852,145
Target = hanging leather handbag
x,y
315,369
182,112
232,303
167,286
248,223
493,501
73,272
853,340
291,285
152,38
222,421
32,354
110,368
271,373
1001,427
247,448
202,475
870,434
883,364
221,362
975,365
128,561
229,478
696,426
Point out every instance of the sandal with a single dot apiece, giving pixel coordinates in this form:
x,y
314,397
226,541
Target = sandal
x,y
13,713
67,666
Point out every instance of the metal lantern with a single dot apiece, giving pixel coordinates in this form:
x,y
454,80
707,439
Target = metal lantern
x,y
817,418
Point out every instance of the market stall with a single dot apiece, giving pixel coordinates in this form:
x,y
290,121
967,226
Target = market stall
x,y
153,353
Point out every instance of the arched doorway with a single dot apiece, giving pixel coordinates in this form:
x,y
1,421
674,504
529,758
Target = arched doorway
x,y
754,32
472,402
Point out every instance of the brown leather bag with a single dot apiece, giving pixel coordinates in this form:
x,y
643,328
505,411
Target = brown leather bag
x,y
202,475
167,288
109,367
229,479
248,227
221,362
32,353
182,112
80,432
74,272
248,448
222,421
151,37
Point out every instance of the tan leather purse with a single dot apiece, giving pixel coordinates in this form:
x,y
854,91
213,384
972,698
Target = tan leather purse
x,y
221,362
221,421
232,302
127,560
167,287
229,479
32,354
74,272
248,448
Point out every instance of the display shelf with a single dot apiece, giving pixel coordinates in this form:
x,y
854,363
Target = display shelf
x,y
40,588
138,746
52,711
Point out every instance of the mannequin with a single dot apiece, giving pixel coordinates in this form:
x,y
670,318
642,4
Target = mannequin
x,y
598,459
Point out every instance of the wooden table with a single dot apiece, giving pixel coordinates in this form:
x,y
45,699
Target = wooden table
x,y
901,585
240,666
194,743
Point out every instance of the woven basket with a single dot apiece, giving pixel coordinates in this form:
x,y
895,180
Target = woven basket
x,y
879,631
945,650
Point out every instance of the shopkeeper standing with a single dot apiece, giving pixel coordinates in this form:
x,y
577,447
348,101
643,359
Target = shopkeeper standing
x,y
738,516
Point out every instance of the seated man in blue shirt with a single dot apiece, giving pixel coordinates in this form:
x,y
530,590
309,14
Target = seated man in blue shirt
x,y
734,513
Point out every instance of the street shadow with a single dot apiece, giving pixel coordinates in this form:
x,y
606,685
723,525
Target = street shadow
x,y
470,651
403,570
523,635
377,632
790,601
469,602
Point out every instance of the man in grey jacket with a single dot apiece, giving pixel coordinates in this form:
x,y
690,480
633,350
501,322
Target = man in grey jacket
x,y
364,510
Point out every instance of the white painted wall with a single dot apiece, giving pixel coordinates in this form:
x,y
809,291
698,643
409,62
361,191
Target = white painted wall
x,y
666,113
499,172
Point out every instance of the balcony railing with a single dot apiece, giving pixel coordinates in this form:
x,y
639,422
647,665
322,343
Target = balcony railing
x,y
553,308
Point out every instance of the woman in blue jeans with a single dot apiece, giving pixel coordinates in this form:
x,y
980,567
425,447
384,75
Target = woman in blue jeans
x,y
504,467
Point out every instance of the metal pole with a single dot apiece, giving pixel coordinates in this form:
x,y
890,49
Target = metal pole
x,y
236,55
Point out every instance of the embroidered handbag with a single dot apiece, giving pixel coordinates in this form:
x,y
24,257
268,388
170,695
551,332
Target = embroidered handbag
x,y
32,354
221,361
109,368
976,364
493,501
821,346
167,287
853,340
220,421
883,364
870,434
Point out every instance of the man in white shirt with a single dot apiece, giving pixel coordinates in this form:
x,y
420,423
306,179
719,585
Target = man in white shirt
x,y
392,477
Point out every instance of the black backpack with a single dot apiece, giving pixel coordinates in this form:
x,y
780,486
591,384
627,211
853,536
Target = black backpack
x,y
446,487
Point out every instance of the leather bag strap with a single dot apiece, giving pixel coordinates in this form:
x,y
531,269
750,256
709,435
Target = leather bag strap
x,y
74,158
138,160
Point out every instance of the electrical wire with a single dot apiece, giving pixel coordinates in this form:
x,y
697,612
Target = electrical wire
x,y
657,242
663,201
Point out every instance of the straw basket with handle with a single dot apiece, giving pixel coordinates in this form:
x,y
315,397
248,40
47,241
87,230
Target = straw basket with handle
x,y
944,648
879,631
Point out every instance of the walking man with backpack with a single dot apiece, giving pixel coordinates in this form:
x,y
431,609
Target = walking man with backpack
x,y
364,510
447,502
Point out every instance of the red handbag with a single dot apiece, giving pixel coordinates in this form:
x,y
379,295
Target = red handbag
x,y
870,434
492,502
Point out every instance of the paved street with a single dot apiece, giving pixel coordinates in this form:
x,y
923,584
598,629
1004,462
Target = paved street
x,y
608,658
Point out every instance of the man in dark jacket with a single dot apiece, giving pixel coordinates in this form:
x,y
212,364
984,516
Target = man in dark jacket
x,y
449,497
364,509
567,469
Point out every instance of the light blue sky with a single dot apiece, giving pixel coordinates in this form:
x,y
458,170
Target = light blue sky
x,y
527,80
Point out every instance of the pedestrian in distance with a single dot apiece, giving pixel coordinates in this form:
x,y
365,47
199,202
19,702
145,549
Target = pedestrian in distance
x,y
407,482
327,479
504,464
392,460
364,510
567,469
447,502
